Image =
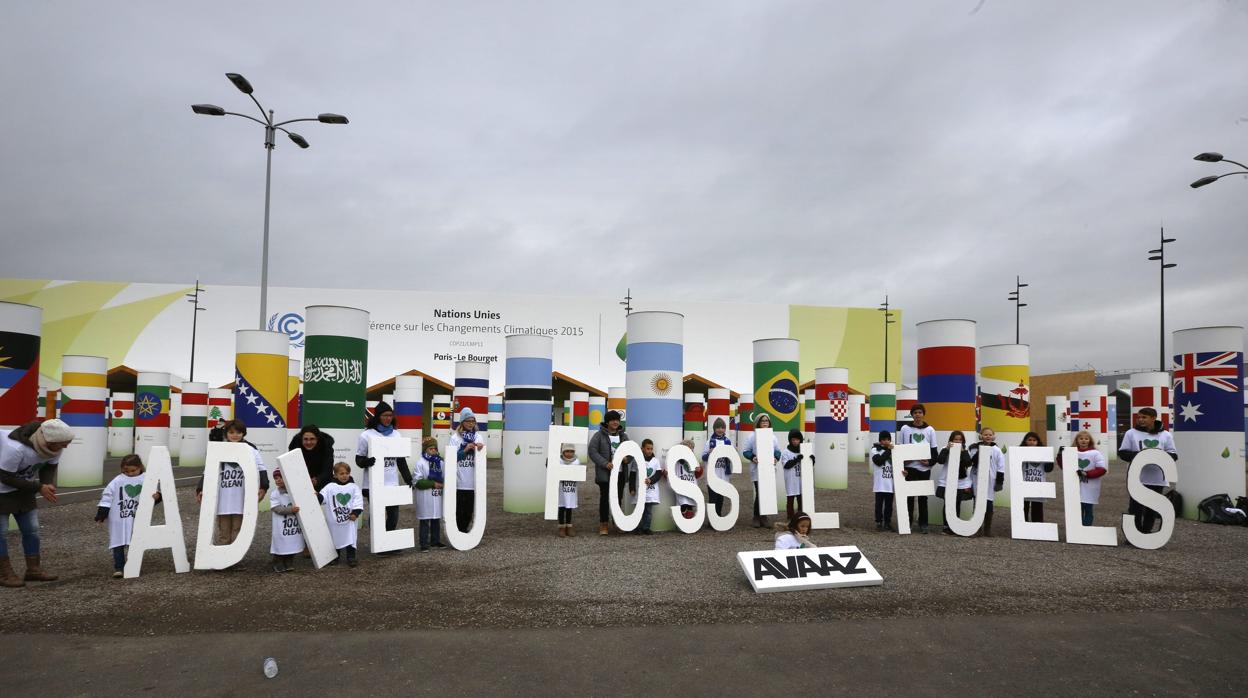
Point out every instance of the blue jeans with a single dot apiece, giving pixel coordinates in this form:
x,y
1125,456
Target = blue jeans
x,y
430,532
646,513
1086,510
119,558
28,524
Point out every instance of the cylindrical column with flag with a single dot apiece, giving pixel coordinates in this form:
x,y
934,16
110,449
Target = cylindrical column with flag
x,y
261,364
775,383
1056,415
121,425
597,411
718,404
655,367
566,418
21,330
194,425
84,390
1005,398
946,368
1072,416
1094,417
859,427
808,414
335,368
441,428
220,406
831,428
409,410
883,410
151,412
494,429
175,421
1209,413
695,420
294,383
1151,389
526,421
472,390
745,419
617,401
906,398
580,418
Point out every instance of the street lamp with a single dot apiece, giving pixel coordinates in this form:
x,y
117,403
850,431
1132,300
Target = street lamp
x,y
270,129
1016,296
888,320
1159,255
194,299
1216,157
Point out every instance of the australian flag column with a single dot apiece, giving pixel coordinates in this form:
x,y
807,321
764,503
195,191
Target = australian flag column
x,y
1208,376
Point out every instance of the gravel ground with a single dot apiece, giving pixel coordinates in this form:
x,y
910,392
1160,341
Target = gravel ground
x,y
523,576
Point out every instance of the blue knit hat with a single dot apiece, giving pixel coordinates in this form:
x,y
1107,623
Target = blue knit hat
x,y
466,414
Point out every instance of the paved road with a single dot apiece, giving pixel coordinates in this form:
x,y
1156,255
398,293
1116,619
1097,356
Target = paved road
x,y
1177,652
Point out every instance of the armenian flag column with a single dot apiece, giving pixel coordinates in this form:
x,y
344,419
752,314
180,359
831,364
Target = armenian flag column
x,y
858,427
883,403
617,401
580,418
695,420
194,425
20,333
83,392
1056,415
1151,389
655,365
494,437
1005,398
526,422
745,419
121,426
441,430
261,365
151,412
335,366
1094,417
947,384
294,371
409,410
832,428
1209,417
776,393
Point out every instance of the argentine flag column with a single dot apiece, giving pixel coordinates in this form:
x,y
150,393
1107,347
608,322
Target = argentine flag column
x,y
83,393
121,425
194,425
335,365
21,328
832,428
1209,413
947,385
261,363
653,381
151,412
526,422
1005,399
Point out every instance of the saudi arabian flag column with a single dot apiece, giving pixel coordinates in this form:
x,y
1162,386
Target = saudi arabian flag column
x,y
1094,417
194,425
494,435
220,406
121,425
261,365
831,428
83,393
526,422
335,366
858,427
1056,414
776,393
947,386
1151,389
745,420
617,401
580,418
151,412
441,429
883,411
409,411
1209,413
655,367
293,384
21,329
695,420
1005,399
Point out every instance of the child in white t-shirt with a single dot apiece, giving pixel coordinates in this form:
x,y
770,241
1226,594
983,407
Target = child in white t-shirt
x,y
287,536
428,482
567,492
796,534
1148,432
343,504
791,459
230,486
723,466
652,470
1034,471
1092,468
118,505
882,481
690,473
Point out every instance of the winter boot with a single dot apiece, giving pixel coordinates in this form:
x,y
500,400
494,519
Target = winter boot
x,y
9,578
34,573
563,530
986,531
571,533
602,529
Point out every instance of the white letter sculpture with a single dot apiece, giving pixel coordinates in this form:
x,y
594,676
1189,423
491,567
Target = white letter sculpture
x,y
1020,490
1148,498
311,515
380,496
146,537
208,555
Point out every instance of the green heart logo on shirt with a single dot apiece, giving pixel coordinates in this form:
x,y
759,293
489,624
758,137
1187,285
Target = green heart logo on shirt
x,y
132,491
1084,462
343,498
1151,443
918,438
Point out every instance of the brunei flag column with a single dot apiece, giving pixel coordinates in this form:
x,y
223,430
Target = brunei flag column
x,y
1005,399
654,369
1209,413
84,390
20,334
335,366
526,422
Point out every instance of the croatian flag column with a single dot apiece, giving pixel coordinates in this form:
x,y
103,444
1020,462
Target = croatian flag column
x,y
776,393
83,392
335,366
1005,399
526,422
1094,417
947,385
832,428
21,329
1209,413
121,425
655,367
883,411
194,425
261,365
1151,389
409,410
151,412
859,427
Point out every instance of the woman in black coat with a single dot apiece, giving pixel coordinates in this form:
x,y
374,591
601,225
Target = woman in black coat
x,y
317,448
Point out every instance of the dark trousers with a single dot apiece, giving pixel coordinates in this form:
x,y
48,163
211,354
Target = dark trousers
x,y
1033,512
646,514
883,507
347,551
465,500
604,502
430,532
392,518
565,515
119,558
718,500
756,515
792,505
1085,511
1144,517
912,474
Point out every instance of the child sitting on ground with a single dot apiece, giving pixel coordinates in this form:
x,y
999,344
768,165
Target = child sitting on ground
x,y
796,534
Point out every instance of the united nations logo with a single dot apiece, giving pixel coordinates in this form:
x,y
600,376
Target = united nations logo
x,y
291,324
661,384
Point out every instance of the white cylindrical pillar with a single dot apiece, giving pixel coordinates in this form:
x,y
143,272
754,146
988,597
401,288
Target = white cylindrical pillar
x,y
84,390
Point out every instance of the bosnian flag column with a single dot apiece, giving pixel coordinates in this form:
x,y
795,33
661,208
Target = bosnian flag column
x,y
21,329
1151,389
947,385
335,366
409,410
151,412
654,368
1005,399
617,401
1208,413
194,425
695,421
84,390
883,412
494,428
1094,416
1056,421
441,428
859,426
121,425
220,406
526,422
832,428
294,371
580,418
261,364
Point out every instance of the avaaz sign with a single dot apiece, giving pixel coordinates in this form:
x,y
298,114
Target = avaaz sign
x,y
808,568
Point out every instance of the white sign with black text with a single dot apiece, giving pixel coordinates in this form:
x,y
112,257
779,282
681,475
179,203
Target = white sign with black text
x,y
808,568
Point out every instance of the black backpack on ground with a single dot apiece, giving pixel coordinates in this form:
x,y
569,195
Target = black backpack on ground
x,y
1213,509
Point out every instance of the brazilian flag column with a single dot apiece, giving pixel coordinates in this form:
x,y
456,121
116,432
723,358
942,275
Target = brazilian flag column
x,y
654,371
261,365
1005,399
776,393
947,386
84,390
335,366
21,328
151,412
526,422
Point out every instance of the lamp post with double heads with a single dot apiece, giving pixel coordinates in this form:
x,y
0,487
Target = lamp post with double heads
x,y
888,320
1159,255
1017,296
1216,157
193,298
270,132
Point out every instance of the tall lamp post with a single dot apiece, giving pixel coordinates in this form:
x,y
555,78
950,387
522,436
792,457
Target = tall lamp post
x,y
194,299
1216,157
1016,296
1159,255
270,131
888,320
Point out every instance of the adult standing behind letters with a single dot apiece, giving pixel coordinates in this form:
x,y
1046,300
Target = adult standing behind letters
x,y
317,448
29,455
381,426
463,443
601,450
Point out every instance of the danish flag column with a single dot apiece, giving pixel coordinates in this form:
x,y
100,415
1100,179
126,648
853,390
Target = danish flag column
x,y
1209,413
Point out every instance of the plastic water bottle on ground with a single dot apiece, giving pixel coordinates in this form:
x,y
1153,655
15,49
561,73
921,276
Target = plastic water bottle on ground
x,y
270,667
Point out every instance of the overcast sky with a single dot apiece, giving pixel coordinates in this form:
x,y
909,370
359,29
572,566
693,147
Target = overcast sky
x,y
794,152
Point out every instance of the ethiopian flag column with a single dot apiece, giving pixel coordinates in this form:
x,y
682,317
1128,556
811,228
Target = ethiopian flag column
x,y
653,380
832,428
83,393
335,366
194,425
261,365
776,393
947,385
151,412
121,425
526,422
1209,413
21,329
1005,399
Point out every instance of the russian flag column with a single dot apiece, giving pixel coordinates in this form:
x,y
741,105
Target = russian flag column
x,y
1094,418
1209,413
409,410
655,370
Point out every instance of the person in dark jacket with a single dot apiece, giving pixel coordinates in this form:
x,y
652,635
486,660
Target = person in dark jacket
x,y
317,448
601,450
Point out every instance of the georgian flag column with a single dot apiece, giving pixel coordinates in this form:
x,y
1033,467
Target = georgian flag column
x,y
1209,413
1151,389
526,421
